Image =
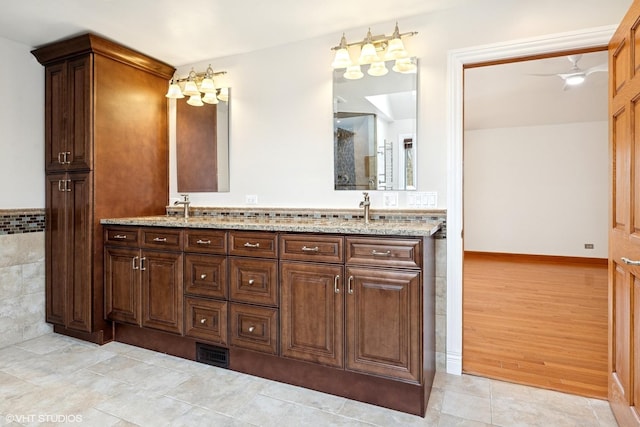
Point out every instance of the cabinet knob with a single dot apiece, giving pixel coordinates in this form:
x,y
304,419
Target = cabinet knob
x,y
252,328
251,282
203,276
203,321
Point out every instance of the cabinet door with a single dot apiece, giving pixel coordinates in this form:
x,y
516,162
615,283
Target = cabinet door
x,y
384,325
122,285
162,290
56,237
205,275
312,312
67,115
79,250
68,254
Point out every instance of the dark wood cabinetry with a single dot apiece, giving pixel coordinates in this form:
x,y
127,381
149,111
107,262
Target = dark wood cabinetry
x,y
103,103
349,315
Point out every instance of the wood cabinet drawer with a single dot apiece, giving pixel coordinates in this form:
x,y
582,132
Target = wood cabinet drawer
x,y
161,238
205,275
253,280
309,247
255,244
121,236
384,252
254,328
206,319
205,241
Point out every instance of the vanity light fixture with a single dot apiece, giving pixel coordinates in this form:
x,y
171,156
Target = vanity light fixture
x,y
199,87
374,51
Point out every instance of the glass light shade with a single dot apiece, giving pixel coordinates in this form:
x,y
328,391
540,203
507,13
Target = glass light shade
x,y
224,94
174,91
195,101
404,65
377,69
207,85
368,54
342,59
191,89
210,98
396,49
575,80
353,72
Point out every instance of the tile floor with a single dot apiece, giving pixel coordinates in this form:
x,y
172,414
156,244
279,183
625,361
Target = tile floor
x,y
53,380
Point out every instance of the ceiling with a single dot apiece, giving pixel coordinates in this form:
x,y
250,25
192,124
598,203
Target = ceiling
x,y
510,95
182,33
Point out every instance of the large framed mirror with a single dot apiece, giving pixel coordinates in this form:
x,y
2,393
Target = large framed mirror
x,y
374,131
202,146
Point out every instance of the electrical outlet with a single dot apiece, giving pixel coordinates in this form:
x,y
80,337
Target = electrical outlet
x,y
588,245
390,200
251,199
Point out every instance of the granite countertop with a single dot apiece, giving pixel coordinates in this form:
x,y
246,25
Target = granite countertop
x,y
310,225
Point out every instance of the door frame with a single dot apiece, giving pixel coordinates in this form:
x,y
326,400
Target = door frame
x,y
456,60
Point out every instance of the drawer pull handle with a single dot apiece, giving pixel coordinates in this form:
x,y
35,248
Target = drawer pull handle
x,y
376,253
630,261
203,242
203,321
306,249
160,239
251,245
252,328
133,262
142,267
350,285
120,237
251,282
335,284
203,276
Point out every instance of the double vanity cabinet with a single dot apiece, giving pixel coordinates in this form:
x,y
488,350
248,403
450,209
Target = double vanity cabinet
x,y
350,314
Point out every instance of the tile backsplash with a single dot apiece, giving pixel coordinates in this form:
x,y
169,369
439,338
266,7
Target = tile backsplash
x,y
21,221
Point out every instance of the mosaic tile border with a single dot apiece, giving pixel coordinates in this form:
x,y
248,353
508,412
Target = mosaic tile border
x,y
331,214
19,221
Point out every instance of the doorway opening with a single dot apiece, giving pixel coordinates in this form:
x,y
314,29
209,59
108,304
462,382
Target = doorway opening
x,y
535,220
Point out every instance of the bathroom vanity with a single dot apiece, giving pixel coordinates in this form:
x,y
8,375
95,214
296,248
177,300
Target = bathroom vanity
x,y
334,305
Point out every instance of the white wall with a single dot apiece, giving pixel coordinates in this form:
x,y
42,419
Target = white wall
x,y
537,190
281,120
21,128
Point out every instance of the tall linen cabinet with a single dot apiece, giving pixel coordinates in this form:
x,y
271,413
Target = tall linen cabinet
x,y
106,155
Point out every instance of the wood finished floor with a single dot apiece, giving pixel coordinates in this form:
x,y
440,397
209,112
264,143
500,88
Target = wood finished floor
x,y
536,320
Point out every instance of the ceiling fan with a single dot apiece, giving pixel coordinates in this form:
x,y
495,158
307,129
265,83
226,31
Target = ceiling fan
x,y
576,75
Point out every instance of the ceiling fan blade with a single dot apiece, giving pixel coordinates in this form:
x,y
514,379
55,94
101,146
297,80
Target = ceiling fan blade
x,y
598,68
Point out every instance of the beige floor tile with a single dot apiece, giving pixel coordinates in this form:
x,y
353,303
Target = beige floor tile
x,y
144,408
467,406
302,396
379,416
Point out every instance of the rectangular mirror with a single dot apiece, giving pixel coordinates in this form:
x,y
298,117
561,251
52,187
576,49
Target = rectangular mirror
x,y
374,130
202,147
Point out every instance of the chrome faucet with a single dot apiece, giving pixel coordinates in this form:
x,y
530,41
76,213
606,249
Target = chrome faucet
x,y
365,204
185,203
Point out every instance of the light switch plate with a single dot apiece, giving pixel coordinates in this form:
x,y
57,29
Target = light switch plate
x,y
251,199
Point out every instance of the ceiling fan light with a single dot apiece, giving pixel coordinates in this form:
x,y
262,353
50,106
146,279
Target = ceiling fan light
x,y
575,80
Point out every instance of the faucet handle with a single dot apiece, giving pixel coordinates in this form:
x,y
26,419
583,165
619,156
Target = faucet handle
x,y
366,195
